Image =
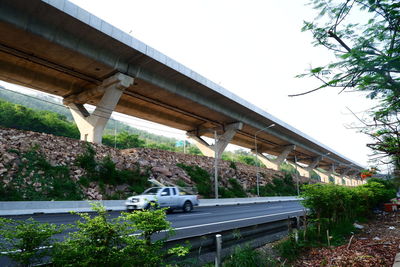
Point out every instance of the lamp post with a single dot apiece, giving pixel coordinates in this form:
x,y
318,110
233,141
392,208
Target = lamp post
x,y
257,162
215,166
297,175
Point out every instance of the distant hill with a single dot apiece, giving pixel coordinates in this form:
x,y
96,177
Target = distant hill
x,y
44,102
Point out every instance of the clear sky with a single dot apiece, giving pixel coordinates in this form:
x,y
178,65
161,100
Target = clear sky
x,y
252,48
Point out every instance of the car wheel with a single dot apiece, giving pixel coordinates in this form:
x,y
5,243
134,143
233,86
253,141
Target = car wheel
x,y
187,206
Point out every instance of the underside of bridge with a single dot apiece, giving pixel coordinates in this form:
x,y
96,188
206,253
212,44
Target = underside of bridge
x,y
44,48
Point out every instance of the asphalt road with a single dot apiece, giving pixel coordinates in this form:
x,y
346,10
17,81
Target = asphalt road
x,y
202,220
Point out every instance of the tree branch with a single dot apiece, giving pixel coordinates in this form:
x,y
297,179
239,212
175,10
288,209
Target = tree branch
x,y
340,41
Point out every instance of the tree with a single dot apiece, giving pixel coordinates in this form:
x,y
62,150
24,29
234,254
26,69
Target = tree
x,y
123,140
364,37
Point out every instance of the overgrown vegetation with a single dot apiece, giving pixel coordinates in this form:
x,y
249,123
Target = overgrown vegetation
x,y
96,240
201,177
37,179
204,186
244,257
105,172
333,210
241,156
278,187
232,190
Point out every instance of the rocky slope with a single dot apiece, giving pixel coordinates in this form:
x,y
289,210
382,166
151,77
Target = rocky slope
x,y
157,164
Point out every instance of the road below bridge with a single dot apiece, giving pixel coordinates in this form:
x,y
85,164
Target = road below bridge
x,y
202,220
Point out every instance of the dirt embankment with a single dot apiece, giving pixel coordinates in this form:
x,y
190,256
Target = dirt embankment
x,y
375,245
159,164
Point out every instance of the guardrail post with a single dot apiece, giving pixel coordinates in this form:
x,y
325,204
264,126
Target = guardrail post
x,y
218,245
289,225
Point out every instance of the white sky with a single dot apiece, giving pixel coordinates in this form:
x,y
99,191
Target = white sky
x,y
253,48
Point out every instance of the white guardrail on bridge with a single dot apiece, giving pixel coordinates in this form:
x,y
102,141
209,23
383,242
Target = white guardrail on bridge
x,y
32,207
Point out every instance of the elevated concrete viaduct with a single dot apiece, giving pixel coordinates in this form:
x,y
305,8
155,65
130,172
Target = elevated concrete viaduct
x,y
56,47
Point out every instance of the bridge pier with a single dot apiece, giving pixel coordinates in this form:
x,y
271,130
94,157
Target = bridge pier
x,y
221,142
91,126
218,148
275,163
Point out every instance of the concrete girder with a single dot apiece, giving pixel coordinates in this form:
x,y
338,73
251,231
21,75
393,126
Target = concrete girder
x,y
221,143
119,81
91,126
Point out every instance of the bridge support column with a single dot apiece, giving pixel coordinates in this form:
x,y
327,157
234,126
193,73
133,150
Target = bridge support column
x,y
218,148
345,176
302,171
220,144
324,176
275,163
312,167
269,163
91,126
331,174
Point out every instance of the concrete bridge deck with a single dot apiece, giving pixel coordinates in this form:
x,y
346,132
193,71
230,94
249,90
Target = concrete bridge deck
x,y
56,47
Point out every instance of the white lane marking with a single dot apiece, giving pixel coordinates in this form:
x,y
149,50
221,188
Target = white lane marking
x,y
197,214
237,220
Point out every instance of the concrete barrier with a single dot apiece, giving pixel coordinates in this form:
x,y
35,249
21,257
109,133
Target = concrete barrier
x,y
37,207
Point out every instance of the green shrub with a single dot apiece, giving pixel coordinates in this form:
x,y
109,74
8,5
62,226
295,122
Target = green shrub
x,y
232,165
201,177
288,248
278,187
245,257
87,160
338,203
225,192
101,241
236,188
181,183
26,241
333,210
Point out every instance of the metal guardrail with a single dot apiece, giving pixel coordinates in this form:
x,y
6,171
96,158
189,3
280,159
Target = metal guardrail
x,y
214,246
32,207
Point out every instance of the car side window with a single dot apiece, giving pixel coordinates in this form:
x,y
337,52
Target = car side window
x,y
174,191
166,192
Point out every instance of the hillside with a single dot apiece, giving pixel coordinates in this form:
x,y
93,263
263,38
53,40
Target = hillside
x,y
39,166
39,101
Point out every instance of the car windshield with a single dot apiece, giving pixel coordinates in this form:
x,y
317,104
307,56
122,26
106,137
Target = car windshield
x,y
152,191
